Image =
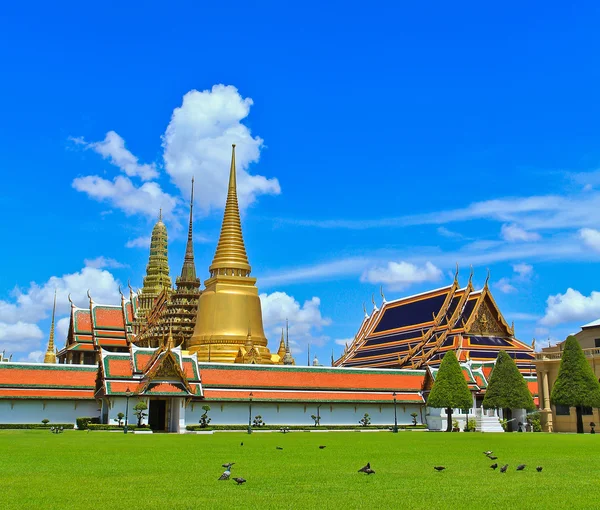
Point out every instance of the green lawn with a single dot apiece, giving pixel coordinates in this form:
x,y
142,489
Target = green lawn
x,y
114,471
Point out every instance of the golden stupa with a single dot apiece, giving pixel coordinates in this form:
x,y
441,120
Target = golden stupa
x,y
229,326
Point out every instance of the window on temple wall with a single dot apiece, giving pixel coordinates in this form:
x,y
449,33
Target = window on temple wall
x,y
563,410
587,411
597,342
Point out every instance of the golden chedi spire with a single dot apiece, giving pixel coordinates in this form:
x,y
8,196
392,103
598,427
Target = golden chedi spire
x,y
229,307
50,356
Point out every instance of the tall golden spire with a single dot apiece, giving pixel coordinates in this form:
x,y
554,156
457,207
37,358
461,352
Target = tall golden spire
x,y
188,271
230,257
50,356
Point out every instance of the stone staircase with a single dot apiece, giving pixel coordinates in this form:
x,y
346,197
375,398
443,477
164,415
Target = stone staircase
x,y
487,421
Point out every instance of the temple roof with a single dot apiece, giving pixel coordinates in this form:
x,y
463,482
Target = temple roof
x,y
417,330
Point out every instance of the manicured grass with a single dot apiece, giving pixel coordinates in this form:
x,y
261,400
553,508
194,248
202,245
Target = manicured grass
x,y
111,470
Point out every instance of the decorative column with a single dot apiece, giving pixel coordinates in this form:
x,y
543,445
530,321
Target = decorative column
x,y
547,409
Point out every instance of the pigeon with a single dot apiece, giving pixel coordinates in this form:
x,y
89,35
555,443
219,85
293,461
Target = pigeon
x,y
242,443
279,447
226,474
439,468
369,471
228,465
494,465
239,480
365,468
489,452
504,468
539,469
521,467
321,447
491,457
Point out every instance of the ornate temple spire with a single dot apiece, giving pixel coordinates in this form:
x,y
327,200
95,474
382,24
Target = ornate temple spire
x,y
50,356
230,257
287,358
157,271
188,271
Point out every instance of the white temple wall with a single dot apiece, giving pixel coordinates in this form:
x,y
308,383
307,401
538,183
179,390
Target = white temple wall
x,y
57,411
236,413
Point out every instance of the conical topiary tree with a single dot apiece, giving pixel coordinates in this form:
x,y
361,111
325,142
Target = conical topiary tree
x,y
507,388
576,385
450,389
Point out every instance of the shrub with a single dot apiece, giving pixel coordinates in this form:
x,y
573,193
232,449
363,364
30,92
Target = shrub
x,y
258,422
535,421
34,425
306,428
138,410
365,421
82,423
317,419
45,421
119,418
414,417
104,426
471,426
204,419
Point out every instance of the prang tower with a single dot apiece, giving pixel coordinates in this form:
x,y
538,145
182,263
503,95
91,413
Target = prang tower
x,y
229,321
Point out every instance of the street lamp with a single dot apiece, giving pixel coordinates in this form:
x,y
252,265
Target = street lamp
x,y
395,429
127,395
250,413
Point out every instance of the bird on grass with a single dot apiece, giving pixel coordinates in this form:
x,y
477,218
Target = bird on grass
x,y
491,457
369,471
539,469
521,467
279,447
228,465
439,468
321,447
242,443
504,468
226,474
364,468
240,480
489,452
494,466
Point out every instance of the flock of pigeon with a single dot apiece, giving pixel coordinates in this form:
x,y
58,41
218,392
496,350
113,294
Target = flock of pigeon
x,y
490,455
367,468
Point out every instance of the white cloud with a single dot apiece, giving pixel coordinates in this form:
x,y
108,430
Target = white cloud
x,y
139,242
591,238
513,233
122,193
36,356
445,232
62,328
521,316
113,149
505,286
344,341
571,306
305,321
400,275
523,271
103,262
198,141
19,337
541,332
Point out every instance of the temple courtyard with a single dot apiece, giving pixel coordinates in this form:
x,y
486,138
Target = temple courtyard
x,y
113,470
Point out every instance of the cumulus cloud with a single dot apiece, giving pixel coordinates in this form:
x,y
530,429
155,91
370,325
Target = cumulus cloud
x,y
305,321
344,341
400,275
123,193
103,262
19,331
450,234
513,233
523,271
113,149
572,306
504,285
591,238
198,141
35,356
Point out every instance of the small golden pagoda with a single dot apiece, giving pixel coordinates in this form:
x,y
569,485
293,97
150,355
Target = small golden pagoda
x,y
229,324
50,356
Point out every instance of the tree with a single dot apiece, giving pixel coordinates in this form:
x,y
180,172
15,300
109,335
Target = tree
x,y
204,419
507,388
138,410
119,418
450,389
576,385
365,421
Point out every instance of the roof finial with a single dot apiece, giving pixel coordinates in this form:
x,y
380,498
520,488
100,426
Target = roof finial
x,y
471,275
231,252
50,356
381,292
365,310
188,271
487,279
373,301
456,274
88,295
160,214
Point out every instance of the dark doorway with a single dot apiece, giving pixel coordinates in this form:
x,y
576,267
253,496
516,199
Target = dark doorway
x,y
157,415
507,413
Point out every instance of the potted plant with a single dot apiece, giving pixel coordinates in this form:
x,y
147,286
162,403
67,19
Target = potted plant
x,y
592,426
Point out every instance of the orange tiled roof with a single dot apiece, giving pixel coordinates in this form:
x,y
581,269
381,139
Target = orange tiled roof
x,y
64,376
33,393
308,378
109,317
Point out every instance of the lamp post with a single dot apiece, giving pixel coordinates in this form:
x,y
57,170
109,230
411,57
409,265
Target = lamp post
x,y
127,395
395,429
250,413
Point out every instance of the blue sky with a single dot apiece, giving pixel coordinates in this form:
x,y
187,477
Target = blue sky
x,y
377,146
